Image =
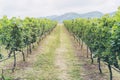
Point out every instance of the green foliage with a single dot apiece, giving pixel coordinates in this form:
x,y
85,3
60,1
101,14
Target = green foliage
x,y
101,35
17,34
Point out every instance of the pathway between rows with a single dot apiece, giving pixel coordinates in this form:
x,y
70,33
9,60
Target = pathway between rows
x,y
62,51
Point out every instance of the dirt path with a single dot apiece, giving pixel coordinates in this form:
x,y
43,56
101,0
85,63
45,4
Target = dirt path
x,y
60,60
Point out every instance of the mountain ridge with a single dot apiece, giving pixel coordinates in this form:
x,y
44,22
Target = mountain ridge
x,y
73,15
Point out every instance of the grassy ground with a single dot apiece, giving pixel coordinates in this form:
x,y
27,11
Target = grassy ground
x,y
58,57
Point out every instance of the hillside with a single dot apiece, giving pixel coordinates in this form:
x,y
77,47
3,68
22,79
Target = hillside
x,y
72,15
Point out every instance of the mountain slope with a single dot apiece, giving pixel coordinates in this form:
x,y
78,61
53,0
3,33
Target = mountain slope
x,y
72,15
92,14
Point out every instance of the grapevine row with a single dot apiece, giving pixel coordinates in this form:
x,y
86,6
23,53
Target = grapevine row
x,y
102,37
17,34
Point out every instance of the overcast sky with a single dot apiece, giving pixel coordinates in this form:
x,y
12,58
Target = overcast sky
x,y
38,8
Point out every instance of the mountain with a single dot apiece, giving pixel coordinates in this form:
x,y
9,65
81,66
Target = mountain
x,y
112,13
66,16
91,14
52,17
72,15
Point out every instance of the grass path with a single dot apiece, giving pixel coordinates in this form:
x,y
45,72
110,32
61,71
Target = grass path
x,y
65,58
60,60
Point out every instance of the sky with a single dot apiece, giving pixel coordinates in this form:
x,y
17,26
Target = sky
x,y
40,8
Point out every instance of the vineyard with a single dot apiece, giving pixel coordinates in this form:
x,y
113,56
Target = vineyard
x,y
42,49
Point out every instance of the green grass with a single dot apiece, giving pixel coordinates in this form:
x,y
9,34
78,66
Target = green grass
x,y
45,62
72,61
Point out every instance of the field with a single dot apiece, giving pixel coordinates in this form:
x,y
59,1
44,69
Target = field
x,y
57,57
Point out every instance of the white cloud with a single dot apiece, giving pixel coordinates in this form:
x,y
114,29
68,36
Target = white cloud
x,y
39,8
